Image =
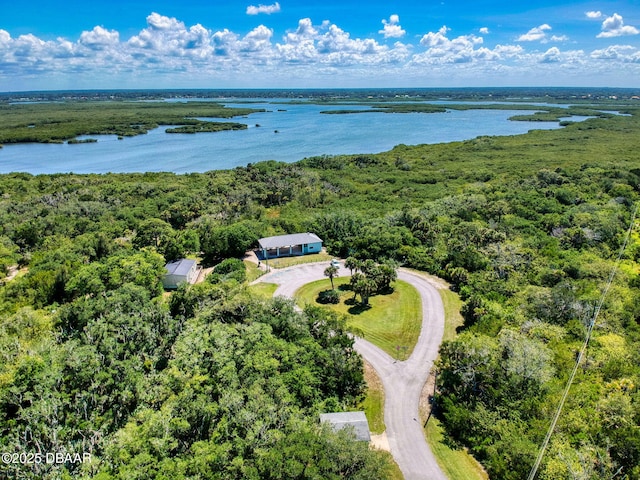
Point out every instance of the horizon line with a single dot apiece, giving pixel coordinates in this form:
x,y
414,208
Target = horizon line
x,y
214,89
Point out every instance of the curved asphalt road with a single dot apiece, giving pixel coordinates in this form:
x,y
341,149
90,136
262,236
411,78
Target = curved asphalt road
x,y
402,381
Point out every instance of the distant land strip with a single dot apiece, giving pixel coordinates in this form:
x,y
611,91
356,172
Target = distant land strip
x,y
57,122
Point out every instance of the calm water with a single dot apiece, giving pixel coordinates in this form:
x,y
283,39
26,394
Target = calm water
x,y
301,132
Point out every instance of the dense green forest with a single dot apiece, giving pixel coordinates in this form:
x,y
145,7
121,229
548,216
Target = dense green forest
x,y
212,383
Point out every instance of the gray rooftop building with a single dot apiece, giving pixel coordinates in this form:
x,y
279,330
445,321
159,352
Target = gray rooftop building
x,y
180,271
288,245
341,420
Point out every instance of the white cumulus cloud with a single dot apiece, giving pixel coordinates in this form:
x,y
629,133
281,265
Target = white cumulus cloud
x,y
268,9
99,38
299,45
224,42
508,51
535,34
169,36
551,56
337,41
614,26
168,52
4,37
305,32
616,52
392,28
462,49
564,59
594,14
330,45
433,39
258,39
160,22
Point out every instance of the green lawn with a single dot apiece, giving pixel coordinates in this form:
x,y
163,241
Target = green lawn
x,y
253,272
263,290
291,261
457,464
373,403
451,302
393,320
452,317
393,471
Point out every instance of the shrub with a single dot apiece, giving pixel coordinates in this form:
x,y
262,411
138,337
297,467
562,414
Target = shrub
x,y
230,265
329,296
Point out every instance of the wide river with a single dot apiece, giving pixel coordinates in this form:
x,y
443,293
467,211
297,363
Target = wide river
x,y
284,132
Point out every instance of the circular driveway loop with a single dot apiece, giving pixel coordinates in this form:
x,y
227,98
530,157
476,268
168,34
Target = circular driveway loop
x,y
402,381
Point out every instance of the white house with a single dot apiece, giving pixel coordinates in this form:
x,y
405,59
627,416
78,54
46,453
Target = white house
x,y
289,245
180,271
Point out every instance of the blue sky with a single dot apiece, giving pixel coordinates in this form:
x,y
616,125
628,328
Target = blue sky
x,y
329,43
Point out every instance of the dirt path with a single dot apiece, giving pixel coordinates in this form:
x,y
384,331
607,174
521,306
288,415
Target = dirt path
x,y
402,381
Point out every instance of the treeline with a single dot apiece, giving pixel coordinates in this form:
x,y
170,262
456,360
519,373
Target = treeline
x,y
528,94
526,229
541,113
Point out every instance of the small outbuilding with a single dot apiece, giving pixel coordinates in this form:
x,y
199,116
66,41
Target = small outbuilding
x,y
289,245
180,271
357,420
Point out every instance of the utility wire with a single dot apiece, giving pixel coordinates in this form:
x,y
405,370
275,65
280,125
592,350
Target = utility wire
x,y
614,271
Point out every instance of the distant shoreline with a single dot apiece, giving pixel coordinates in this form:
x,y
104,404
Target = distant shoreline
x,y
512,94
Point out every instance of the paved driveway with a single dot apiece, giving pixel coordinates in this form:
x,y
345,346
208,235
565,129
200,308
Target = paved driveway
x,y
402,381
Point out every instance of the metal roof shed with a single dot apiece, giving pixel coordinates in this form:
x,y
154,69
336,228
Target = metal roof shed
x,y
357,420
180,271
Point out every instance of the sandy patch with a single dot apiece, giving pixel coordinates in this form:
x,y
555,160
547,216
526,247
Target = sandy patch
x,y
12,272
251,256
203,274
381,442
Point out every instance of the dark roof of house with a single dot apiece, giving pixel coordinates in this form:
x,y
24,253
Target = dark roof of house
x,y
341,420
179,267
289,240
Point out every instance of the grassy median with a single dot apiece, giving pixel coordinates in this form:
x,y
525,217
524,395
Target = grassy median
x,y
392,321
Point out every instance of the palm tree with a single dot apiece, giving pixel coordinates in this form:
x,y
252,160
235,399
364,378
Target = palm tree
x,y
387,273
365,287
355,279
331,272
352,264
